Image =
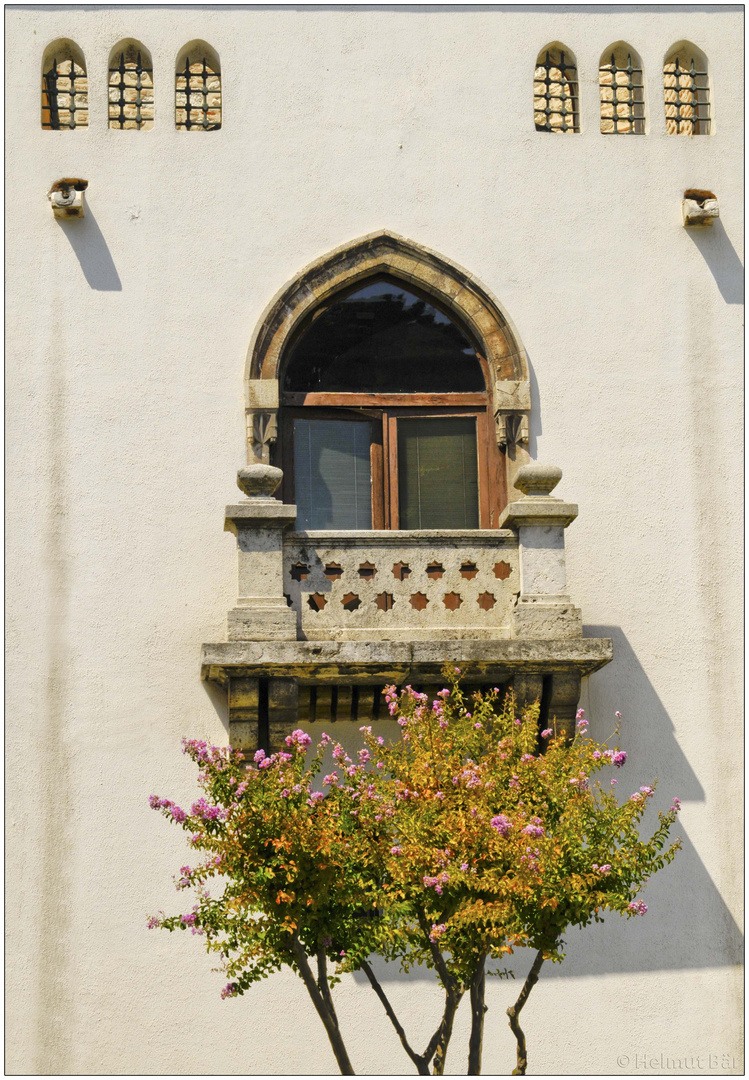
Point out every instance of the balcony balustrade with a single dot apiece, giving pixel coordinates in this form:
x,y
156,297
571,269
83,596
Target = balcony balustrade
x,y
324,620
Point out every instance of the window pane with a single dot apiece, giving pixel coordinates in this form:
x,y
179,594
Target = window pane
x,y
438,474
383,339
332,474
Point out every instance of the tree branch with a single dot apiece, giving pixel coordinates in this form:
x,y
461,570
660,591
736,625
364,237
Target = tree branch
x,y
445,1030
318,1000
322,982
420,1060
514,1011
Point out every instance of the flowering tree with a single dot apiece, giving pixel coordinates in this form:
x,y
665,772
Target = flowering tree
x,y
504,838
463,839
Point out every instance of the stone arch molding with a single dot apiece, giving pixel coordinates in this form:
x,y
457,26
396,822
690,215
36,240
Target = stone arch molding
x,y
455,290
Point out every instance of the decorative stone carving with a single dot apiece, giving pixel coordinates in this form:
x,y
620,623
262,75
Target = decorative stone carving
x,y
387,253
259,481
262,418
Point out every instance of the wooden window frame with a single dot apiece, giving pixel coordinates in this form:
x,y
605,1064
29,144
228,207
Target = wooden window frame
x,y
383,412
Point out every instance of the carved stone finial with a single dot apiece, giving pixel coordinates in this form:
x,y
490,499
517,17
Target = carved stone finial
x,y
259,481
537,481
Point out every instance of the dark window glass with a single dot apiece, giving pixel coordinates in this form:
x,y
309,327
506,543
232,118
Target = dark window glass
x,y
383,339
332,474
438,474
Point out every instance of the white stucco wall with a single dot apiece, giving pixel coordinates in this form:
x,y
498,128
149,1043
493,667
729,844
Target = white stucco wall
x,y
127,336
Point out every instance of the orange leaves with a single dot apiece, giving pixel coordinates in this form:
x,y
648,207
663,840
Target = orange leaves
x,y
284,897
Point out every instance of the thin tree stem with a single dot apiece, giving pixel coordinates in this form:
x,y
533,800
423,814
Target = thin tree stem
x,y
420,1061
329,1020
514,1012
478,1011
445,1030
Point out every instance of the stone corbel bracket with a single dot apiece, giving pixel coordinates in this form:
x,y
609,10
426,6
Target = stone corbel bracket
x,y
544,608
262,417
699,208
512,405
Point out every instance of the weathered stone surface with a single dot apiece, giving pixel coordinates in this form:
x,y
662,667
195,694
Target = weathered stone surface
x,y
537,480
369,565
259,481
363,662
547,621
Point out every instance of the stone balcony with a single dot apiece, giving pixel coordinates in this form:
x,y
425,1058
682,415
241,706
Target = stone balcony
x,y
324,620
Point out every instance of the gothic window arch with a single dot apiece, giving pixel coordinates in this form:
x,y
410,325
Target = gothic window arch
x,y
130,89
686,90
622,91
555,90
390,389
198,96
64,86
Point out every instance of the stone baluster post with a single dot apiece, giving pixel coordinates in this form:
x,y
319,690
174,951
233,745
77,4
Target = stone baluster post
x,y
544,608
261,711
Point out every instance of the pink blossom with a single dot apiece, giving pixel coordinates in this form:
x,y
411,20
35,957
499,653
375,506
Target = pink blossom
x,y
259,756
396,850
437,931
300,739
676,803
464,866
230,990
639,907
547,733
533,830
502,824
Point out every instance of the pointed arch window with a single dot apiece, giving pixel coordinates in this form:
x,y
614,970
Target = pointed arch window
x,y
64,87
622,91
686,91
131,103
198,100
386,417
555,93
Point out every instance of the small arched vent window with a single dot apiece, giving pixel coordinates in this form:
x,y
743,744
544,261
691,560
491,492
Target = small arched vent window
x,y
686,91
64,87
198,104
555,94
622,92
131,102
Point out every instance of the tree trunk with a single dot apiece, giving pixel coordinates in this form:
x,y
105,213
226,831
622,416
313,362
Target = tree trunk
x,y
478,1011
445,1030
328,1017
514,1012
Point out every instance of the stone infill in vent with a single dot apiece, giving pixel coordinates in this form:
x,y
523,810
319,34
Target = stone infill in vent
x,y
400,585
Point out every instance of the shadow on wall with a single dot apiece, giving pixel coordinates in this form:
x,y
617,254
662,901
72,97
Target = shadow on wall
x,y
722,260
688,924
91,251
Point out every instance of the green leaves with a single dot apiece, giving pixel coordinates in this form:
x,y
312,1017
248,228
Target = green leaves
x,y
459,838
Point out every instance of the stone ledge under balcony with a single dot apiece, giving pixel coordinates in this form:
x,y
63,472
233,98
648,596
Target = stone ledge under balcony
x,y
399,662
